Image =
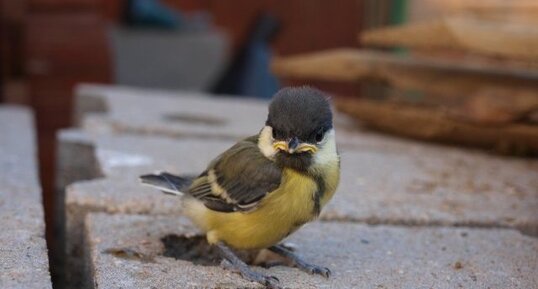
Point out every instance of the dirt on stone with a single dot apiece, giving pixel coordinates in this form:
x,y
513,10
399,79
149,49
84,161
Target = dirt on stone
x,y
194,249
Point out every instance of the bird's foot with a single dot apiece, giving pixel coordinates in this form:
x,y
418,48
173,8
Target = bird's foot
x,y
314,269
233,263
300,263
251,275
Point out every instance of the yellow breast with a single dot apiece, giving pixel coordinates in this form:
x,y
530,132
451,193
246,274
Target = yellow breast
x,y
280,213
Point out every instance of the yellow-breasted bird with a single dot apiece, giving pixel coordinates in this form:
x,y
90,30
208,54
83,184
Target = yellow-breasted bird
x,y
266,186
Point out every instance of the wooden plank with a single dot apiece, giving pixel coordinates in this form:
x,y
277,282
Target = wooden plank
x,y
525,11
481,94
434,77
331,65
481,36
434,125
497,106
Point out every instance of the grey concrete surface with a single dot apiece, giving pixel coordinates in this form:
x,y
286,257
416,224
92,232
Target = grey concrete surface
x,y
115,162
23,251
404,183
125,251
117,109
437,186
118,161
395,182
385,180
102,108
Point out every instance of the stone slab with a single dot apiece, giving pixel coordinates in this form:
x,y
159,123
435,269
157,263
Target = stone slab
x,y
105,109
360,256
101,108
23,251
384,181
97,172
404,183
437,186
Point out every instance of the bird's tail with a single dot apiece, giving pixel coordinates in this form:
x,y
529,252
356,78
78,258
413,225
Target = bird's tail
x,y
168,183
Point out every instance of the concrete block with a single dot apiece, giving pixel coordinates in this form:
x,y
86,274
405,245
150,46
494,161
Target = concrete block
x,y
400,183
116,109
23,251
103,172
128,251
421,185
121,109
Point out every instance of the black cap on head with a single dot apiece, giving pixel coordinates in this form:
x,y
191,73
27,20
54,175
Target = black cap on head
x,y
299,112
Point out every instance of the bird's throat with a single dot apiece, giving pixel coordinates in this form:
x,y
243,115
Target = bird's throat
x,y
300,162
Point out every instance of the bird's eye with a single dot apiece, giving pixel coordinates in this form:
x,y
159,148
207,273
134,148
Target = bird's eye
x,y
275,134
319,136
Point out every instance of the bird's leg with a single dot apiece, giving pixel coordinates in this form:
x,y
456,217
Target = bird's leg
x,y
233,263
299,262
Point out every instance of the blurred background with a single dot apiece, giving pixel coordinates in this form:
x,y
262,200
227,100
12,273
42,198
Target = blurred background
x,y
454,71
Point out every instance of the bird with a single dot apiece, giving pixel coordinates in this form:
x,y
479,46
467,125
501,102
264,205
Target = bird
x,y
265,187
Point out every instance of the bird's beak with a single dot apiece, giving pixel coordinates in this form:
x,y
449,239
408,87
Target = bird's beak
x,y
294,146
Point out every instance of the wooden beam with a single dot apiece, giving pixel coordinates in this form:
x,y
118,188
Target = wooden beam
x,y
524,11
428,124
482,36
496,107
436,77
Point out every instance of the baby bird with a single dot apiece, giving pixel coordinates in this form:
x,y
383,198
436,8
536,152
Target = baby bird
x,y
266,186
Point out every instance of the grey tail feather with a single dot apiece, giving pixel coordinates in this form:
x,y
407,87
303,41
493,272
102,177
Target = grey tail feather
x,y
168,183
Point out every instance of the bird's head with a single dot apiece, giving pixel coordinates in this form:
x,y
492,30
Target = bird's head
x,y
299,128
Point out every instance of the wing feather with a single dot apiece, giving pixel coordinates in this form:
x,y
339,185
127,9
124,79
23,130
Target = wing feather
x,y
238,179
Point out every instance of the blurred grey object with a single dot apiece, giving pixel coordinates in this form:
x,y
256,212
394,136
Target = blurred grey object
x,y
168,59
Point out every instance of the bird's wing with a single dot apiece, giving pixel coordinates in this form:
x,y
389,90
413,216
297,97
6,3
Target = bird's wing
x,y
238,179
168,183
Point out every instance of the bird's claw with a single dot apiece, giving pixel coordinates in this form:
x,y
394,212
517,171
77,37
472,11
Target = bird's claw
x,y
316,270
253,276
271,282
268,281
300,263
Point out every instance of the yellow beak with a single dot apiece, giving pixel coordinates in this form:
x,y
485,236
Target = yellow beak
x,y
303,147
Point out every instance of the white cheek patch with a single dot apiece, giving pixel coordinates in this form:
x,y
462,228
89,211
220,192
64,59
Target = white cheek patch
x,y
265,142
327,151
